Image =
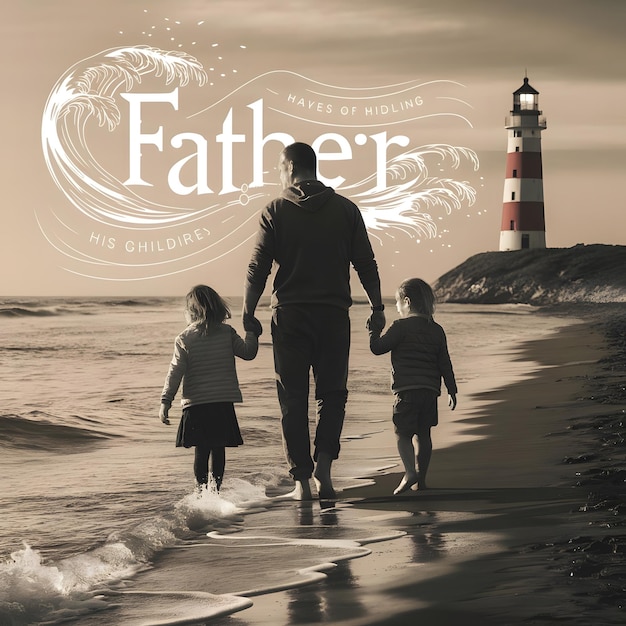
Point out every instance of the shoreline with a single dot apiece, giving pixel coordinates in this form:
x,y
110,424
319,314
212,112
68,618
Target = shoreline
x,y
508,532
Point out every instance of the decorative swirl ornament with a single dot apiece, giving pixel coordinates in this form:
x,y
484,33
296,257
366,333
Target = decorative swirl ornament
x,y
104,121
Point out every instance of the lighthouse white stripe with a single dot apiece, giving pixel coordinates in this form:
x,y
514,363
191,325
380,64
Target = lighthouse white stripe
x,y
523,190
512,239
524,144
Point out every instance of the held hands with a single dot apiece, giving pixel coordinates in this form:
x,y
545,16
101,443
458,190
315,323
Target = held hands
x,y
251,324
376,322
452,401
163,414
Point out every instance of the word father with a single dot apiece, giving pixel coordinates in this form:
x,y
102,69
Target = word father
x,y
228,138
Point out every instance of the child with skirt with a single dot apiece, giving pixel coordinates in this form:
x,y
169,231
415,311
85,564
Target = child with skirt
x,y
204,361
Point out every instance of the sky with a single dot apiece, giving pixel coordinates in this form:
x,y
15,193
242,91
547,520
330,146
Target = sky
x,y
77,221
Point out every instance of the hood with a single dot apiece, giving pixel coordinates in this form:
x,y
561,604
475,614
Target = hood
x,y
310,195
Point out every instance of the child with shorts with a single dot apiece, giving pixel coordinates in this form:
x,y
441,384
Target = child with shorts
x,y
419,360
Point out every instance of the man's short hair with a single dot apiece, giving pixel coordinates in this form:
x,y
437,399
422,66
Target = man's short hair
x,y
302,156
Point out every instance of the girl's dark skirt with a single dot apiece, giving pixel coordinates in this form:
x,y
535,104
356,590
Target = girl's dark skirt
x,y
211,425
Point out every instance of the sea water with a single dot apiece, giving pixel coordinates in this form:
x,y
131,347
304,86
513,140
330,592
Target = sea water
x,y
100,520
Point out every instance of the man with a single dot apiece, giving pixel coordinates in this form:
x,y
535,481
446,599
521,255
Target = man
x,y
313,235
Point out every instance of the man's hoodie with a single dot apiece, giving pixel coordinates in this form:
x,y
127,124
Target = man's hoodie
x,y
313,235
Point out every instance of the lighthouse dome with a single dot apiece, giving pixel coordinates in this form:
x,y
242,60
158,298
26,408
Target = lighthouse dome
x,y
526,88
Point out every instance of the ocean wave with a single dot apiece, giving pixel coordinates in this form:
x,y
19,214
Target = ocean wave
x,y
24,433
29,349
44,310
16,311
57,306
38,594
33,590
130,302
153,562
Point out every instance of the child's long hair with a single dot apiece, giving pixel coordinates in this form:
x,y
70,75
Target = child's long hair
x,y
206,308
420,295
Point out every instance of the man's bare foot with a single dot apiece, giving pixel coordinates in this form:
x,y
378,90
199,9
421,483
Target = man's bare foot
x,y
408,481
325,489
321,476
302,490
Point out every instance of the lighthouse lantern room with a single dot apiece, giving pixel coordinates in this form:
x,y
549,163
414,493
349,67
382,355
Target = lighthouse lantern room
x,y
523,222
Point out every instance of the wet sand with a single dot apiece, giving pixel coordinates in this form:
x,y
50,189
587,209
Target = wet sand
x,y
523,526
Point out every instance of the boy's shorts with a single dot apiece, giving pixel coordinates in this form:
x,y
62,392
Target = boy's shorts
x,y
414,411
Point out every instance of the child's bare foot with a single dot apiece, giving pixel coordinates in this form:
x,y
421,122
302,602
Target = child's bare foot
x,y
408,481
420,485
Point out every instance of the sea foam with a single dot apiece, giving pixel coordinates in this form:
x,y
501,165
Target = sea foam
x,y
32,590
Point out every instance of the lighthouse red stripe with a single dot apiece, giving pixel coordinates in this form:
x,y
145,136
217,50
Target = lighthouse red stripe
x,y
523,216
523,165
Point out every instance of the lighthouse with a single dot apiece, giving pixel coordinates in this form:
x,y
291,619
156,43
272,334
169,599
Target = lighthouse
x,y
523,222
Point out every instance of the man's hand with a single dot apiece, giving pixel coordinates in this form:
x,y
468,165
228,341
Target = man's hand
x,y
452,401
376,321
163,414
252,324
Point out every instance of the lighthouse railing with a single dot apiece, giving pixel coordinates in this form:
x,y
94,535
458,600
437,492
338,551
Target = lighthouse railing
x,y
525,121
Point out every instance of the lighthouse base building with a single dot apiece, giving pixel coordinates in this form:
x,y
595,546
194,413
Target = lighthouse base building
x,y
521,239
523,220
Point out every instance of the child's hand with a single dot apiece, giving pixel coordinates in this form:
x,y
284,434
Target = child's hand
x,y
252,324
163,414
376,322
452,401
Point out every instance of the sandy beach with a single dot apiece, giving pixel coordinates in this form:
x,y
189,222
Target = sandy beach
x,y
523,526
523,522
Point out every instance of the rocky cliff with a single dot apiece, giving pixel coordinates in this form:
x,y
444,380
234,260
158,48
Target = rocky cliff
x,y
583,273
